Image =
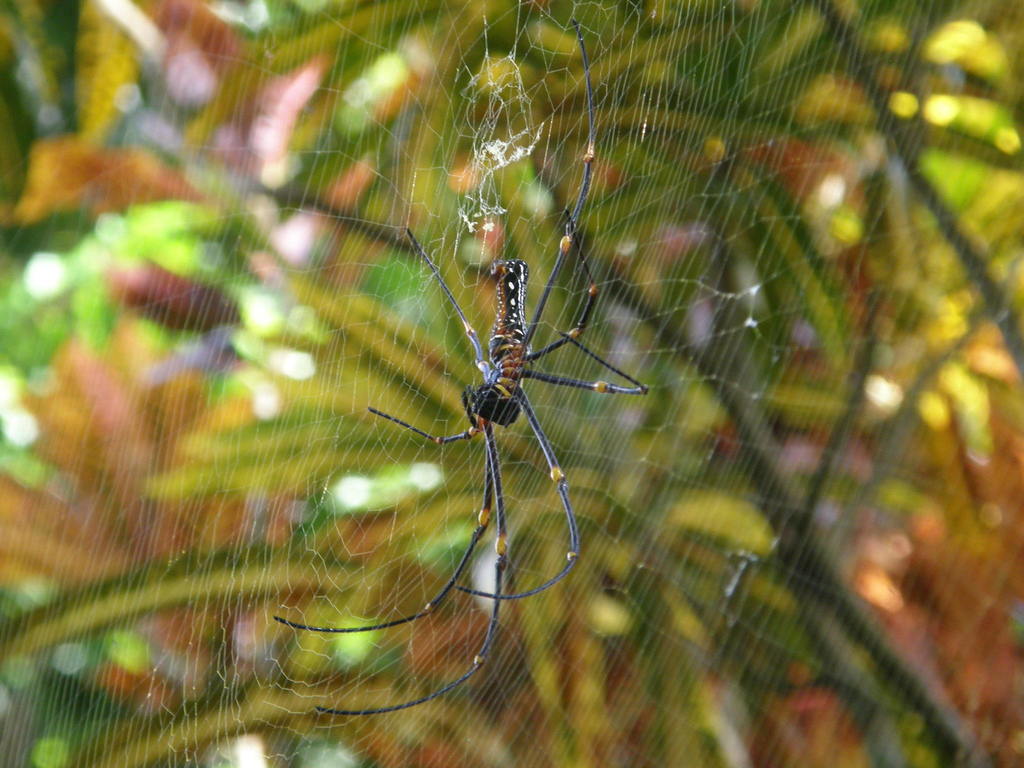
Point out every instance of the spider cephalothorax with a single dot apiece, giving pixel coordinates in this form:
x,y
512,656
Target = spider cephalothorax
x,y
499,399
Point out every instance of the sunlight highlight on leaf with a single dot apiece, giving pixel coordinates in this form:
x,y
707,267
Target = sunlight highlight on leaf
x,y
355,493
968,44
128,650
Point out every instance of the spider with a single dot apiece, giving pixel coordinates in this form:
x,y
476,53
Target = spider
x,y
500,399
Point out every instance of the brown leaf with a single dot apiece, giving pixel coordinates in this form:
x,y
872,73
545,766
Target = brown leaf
x,y
66,174
807,727
347,190
171,300
105,430
193,22
800,165
42,536
200,48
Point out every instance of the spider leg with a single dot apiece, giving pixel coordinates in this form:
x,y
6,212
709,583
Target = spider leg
x,y
567,339
492,627
482,521
466,435
588,158
566,242
481,362
641,387
588,305
595,386
563,491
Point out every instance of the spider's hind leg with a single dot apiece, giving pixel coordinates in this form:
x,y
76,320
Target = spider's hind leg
x,y
494,483
483,520
562,486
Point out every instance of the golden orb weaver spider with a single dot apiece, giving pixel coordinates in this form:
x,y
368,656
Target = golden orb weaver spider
x,y
499,400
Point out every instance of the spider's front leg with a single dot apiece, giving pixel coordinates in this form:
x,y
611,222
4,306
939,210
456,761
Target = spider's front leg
x,y
564,246
571,224
474,340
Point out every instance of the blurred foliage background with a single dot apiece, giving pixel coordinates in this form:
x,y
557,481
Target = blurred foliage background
x,y
802,548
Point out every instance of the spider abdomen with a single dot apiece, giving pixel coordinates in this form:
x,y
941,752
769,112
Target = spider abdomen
x,y
490,403
508,337
509,361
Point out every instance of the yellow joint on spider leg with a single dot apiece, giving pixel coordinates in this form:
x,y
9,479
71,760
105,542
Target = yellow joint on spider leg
x,y
501,545
570,556
484,517
428,608
601,386
557,474
565,244
478,660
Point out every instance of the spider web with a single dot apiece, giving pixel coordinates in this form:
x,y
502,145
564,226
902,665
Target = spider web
x,y
788,263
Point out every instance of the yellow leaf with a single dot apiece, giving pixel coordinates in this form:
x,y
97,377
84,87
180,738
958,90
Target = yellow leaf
x,y
67,173
107,62
724,517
